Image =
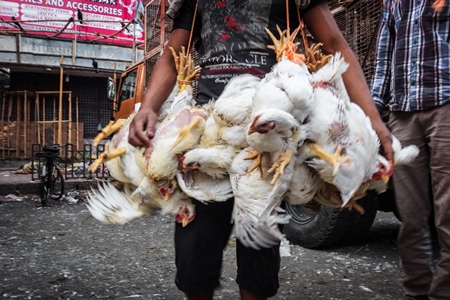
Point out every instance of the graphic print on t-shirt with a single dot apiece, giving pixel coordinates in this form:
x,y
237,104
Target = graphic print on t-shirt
x,y
234,41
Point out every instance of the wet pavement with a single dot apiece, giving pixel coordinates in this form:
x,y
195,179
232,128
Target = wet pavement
x,y
62,252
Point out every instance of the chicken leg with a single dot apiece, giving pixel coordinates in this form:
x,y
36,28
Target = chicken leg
x,y
334,159
257,157
285,46
329,195
108,130
280,165
185,67
188,136
353,205
105,156
361,192
314,57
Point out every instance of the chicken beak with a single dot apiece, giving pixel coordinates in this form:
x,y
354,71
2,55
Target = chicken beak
x,y
251,130
166,196
385,178
184,221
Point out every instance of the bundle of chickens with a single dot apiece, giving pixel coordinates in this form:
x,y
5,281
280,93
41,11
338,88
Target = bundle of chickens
x,y
293,135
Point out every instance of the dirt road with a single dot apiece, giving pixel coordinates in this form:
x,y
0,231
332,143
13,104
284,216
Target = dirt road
x,y
61,252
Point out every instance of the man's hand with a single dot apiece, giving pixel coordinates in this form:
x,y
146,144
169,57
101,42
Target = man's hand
x,y
164,76
384,135
142,128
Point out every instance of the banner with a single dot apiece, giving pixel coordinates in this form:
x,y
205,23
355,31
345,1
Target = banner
x,y
93,20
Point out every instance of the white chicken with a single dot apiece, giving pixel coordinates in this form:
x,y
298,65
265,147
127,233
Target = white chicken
x,y
252,197
232,110
178,132
119,157
111,206
142,192
204,170
342,146
149,175
402,156
258,195
139,195
224,134
303,185
286,88
276,132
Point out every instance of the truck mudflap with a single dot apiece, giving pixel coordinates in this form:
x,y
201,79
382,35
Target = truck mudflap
x,y
314,228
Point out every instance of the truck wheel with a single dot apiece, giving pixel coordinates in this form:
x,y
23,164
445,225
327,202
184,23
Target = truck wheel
x,y
311,229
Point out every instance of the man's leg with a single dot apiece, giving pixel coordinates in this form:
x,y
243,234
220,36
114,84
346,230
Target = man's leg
x,y
412,191
438,132
199,249
246,295
257,271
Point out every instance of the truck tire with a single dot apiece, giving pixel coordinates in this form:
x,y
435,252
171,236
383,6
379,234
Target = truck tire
x,y
311,229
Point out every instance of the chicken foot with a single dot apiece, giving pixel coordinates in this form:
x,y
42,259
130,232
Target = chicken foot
x,y
331,196
314,57
285,46
279,166
353,205
185,67
106,156
108,130
257,157
361,192
334,159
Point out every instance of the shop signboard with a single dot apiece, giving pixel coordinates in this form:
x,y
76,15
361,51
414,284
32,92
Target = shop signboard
x,y
93,20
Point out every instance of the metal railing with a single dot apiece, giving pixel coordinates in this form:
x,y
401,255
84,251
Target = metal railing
x,y
74,163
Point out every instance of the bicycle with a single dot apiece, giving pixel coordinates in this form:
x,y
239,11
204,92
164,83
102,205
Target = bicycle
x,y
52,180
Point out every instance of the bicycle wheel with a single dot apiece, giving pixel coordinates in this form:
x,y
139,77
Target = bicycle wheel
x,y
56,185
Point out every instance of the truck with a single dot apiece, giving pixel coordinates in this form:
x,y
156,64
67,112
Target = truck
x,y
125,93
308,227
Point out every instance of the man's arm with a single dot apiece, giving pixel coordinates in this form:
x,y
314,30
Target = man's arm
x,y
162,81
383,59
322,26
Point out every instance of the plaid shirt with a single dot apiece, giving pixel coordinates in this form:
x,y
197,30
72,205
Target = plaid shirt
x,y
412,64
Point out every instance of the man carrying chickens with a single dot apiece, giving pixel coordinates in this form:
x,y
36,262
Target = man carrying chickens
x,y
231,40
412,68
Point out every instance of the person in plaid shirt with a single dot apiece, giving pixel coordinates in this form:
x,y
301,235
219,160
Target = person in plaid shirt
x,y
412,78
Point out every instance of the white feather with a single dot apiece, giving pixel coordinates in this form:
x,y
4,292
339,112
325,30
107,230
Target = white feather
x,y
403,155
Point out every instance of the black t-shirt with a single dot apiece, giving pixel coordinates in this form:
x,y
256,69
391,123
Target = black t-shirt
x,y
231,38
